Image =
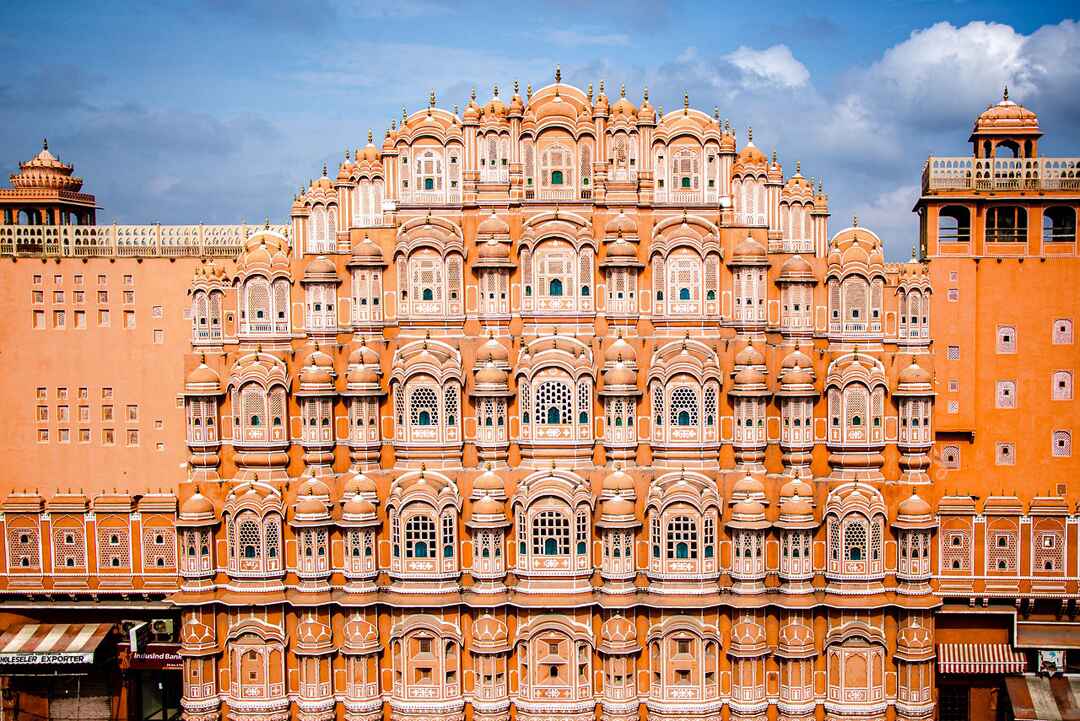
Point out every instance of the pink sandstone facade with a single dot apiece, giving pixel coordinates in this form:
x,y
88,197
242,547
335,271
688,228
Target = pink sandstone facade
x,y
561,407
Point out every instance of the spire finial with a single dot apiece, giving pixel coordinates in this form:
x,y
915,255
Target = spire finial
x,y
622,90
45,141
854,221
495,89
589,93
370,136
716,114
431,98
455,109
727,125
749,134
1005,93
472,95
913,256
528,91
393,124
324,170
798,167
821,185
685,102
645,93
404,115
558,74
516,87
774,156
601,86
346,153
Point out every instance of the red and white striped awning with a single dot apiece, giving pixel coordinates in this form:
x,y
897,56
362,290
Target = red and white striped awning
x,y
51,643
980,658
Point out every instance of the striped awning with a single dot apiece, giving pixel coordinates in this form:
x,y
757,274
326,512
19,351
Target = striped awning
x,y
1044,698
52,643
980,658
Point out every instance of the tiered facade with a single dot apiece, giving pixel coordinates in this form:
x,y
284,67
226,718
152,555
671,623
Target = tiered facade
x,y
581,413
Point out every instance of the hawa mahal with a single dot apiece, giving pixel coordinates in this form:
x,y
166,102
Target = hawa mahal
x,y
562,406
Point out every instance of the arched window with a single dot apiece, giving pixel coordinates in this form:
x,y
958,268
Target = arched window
x,y
556,177
551,534
1006,224
1059,225
424,408
954,224
553,402
555,288
419,537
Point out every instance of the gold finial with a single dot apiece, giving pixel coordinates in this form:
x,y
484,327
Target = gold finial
x,y
516,87
798,167
601,87
370,136
45,141
1005,93
431,98
622,90
324,170
774,156
528,91
404,116
660,110
854,221
589,93
558,74
496,90
749,134
685,102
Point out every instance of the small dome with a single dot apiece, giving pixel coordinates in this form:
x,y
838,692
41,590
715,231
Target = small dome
x,y
358,506
363,354
493,250
488,483
491,374
488,506
617,506
197,505
914,505
1006,116
748,510
493,350
620,375
620,350
796,507
796,487
367,251
621,248
749,250
796,359
203,376
320,266
359,483
313,633
796,268
362,375
915,373
361,634
623,106
750,377
313,487
747,487
310,506
493,225
618,481
749,356
621,224
751,154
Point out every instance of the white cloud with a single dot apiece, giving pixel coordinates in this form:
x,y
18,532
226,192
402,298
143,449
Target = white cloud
x,y
774,66
582,38
889,215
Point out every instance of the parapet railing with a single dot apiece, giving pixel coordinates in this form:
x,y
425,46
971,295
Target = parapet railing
x,y
1001,174
128,241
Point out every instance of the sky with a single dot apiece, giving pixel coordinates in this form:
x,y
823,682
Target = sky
x,y
217,111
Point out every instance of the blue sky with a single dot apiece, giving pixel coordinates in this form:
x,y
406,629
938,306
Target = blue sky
x,y
219,111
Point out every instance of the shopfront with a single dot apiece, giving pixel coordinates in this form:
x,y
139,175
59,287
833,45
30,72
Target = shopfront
x,y
152,675
58,672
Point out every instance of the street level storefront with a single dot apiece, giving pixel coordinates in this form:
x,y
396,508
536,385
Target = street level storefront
x,y
58,671
152,675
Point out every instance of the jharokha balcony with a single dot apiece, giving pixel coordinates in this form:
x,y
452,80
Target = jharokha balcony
x,y
1000,174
